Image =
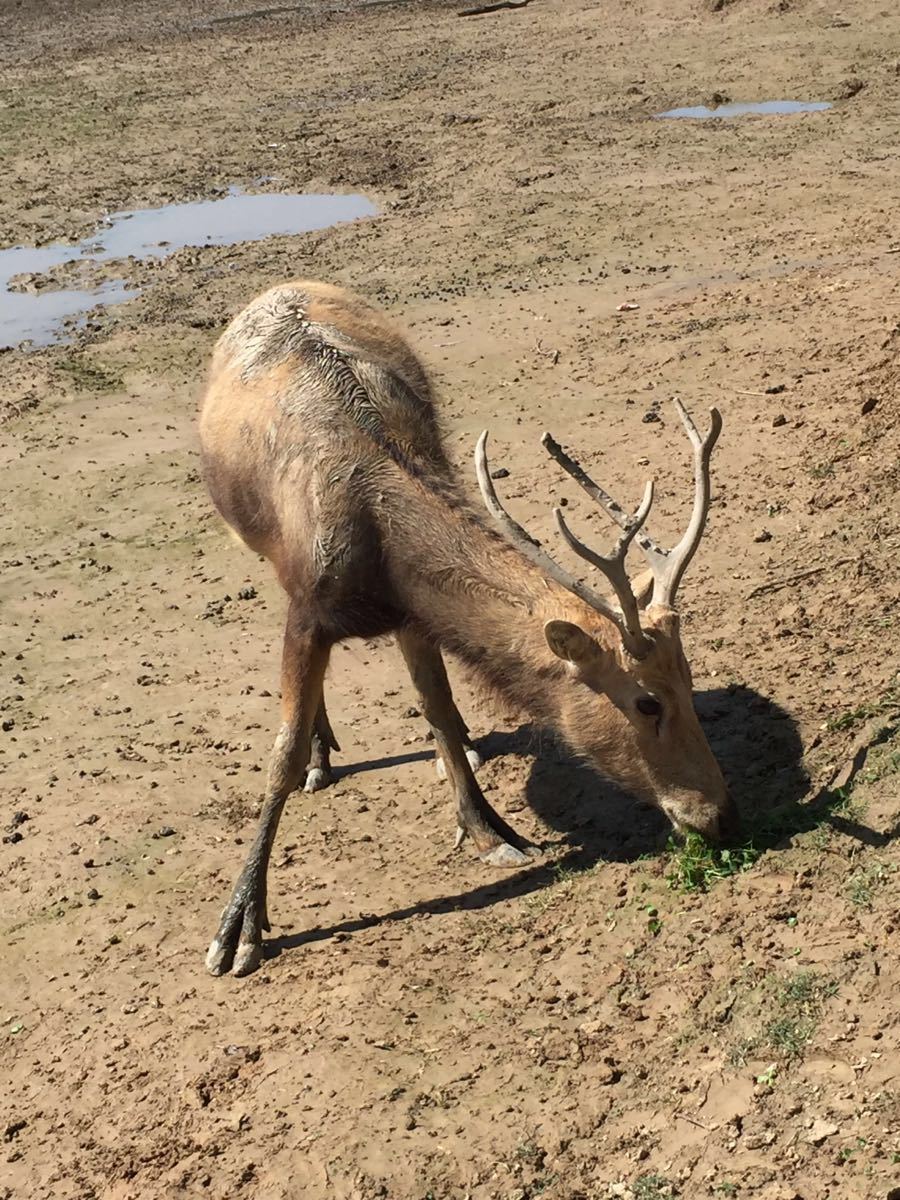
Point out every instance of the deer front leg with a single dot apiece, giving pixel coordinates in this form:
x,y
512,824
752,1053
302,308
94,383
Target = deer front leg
x,y
497,843
238,944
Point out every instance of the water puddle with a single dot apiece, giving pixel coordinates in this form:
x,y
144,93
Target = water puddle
x,y
35,315
769,108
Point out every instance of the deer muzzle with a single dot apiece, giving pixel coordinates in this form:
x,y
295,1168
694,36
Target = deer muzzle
x,y
717,820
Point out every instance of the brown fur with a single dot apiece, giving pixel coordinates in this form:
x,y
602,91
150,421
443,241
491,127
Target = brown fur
x,y
322,450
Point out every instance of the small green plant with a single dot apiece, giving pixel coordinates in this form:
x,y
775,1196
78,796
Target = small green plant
x,y
793,1005
798,1000
885,762
542,1183
822,470
887,703
695,864
848,1152
652,1187
864,882
767,1078
529,1151
727,1188
654,924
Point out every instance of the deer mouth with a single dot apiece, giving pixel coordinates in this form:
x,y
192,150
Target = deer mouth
x,y
718,823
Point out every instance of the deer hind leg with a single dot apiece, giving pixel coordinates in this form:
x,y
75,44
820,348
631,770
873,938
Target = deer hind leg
x,y
497,843
318,772
237,945
476,760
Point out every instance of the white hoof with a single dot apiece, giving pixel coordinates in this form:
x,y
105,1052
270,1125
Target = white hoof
x,y
216,958
316,779
475,762
505,855
247,958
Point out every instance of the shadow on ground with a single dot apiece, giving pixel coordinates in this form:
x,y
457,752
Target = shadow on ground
x,y
757,743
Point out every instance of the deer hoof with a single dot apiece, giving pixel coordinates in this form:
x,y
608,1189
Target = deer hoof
x,y
222,957
316,779
506,855
218,958
475,762
247,959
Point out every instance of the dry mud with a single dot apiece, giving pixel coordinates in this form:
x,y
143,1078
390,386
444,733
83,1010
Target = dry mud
x,y
424,1028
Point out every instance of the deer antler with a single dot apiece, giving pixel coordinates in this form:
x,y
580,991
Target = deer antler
x,y
627,621
668,566
614,566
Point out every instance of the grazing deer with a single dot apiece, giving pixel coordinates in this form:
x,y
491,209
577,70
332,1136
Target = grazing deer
x,y
322,452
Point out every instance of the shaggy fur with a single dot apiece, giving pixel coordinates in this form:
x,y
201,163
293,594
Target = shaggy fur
x,y
321,449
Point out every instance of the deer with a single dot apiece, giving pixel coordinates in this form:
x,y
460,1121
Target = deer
x,y
322,452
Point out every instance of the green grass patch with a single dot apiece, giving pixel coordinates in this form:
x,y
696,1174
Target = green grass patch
x,y
888,703
85,376
653,1187
792,1008
865,882
798,1000
695,864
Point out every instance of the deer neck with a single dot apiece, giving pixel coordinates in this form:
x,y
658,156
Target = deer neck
x,y
488,605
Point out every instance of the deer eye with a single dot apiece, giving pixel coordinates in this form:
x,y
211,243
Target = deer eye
x,y
649,706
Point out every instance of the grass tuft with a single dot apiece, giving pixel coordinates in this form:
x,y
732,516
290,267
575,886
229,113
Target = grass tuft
x,y
86,376
653,1187
793,1005
865,881
696,865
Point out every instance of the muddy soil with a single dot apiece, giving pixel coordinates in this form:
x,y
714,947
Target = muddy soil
x,y
425,1028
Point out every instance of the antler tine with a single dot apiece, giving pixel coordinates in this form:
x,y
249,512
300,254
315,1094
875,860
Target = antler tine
x,y
668,566
653,552
666,581
613,567
523,542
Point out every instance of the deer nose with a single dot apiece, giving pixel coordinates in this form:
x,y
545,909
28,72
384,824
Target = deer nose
x,y
729,820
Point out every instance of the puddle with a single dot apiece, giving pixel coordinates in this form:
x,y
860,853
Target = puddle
x,y
769,108
153,233
36,318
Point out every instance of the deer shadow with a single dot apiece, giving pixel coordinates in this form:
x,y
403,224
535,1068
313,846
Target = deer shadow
x,y
757,744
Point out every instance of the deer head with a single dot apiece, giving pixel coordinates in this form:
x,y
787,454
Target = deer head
x,y
628,704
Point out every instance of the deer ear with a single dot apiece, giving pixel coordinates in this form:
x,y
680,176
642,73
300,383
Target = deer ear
x,y
570,643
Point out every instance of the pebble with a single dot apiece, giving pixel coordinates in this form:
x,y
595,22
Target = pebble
x,y
820,1131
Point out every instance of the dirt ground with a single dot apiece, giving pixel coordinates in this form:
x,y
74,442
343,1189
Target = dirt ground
x,y
425,1028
